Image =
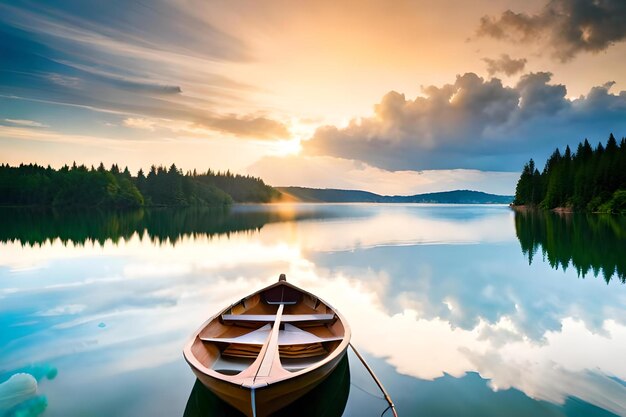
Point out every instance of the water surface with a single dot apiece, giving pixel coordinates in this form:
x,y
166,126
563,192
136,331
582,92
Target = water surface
x,y
462,310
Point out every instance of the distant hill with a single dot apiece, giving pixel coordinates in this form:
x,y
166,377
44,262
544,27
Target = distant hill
x,y
330,195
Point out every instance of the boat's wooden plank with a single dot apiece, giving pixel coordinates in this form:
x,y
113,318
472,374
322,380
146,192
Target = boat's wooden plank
x,y
290,351
291,335
255,337
286,318
281,341
233,365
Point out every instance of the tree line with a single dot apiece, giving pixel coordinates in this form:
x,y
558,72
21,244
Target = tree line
x,y
35,185
588,179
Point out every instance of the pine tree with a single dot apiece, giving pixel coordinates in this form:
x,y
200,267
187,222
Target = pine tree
x,y
589,179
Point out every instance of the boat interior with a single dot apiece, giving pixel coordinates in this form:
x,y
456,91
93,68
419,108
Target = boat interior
x,y
307,332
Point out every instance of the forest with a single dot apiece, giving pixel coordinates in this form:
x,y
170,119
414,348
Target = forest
x,y
590,179
79,186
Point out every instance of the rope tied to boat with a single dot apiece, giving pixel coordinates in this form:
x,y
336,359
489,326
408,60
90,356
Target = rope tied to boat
x,y
377,381
367,392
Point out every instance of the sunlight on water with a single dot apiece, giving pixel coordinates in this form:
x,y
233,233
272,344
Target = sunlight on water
x,y
433,291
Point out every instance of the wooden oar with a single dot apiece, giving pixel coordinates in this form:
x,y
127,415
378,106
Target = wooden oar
x,y
271,357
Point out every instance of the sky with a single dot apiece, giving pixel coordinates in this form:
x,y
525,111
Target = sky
x,y
391,97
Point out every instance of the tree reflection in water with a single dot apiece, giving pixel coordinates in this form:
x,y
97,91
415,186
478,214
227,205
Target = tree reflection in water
x,y
589,242
38,226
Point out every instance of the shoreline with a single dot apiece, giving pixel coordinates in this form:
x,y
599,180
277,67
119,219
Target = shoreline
x,y
558,210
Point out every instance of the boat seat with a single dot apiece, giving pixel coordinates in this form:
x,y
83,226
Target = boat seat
x,y
286,318
291,335
230,365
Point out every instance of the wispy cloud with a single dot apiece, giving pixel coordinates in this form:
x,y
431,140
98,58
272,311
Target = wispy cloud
x,y
63,310
134,65
30,134
24,123
140,123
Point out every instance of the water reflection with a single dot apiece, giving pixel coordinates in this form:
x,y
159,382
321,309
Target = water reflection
x,y
441,298
326,400
590,242
38,226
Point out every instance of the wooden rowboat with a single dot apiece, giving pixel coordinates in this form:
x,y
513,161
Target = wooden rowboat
x,y
268,349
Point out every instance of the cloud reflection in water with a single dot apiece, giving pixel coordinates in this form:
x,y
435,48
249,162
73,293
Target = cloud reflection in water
x,y
433,290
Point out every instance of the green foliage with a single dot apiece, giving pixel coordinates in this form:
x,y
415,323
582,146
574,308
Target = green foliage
x,y
242,188
34,185
530,186
617,204
585,180
78,186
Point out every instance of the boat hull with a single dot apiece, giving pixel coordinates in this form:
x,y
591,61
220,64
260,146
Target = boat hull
x,y
315,336
272,397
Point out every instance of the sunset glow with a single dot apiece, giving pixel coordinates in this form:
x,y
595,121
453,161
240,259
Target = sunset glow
x,y
399,87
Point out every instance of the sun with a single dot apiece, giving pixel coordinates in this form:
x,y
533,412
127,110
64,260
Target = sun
x,y
301,130
287,147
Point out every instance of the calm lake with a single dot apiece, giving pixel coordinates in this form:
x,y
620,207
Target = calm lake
x,y
461,310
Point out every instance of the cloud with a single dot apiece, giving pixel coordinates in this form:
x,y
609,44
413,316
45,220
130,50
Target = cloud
x,y
170,26
473,123
140,123
69,309
23,123
568,27
250,126
544,372
122,83
27,133
505,64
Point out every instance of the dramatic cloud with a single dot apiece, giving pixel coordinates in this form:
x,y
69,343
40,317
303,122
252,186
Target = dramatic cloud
x,y
568,26
505,64
474,124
